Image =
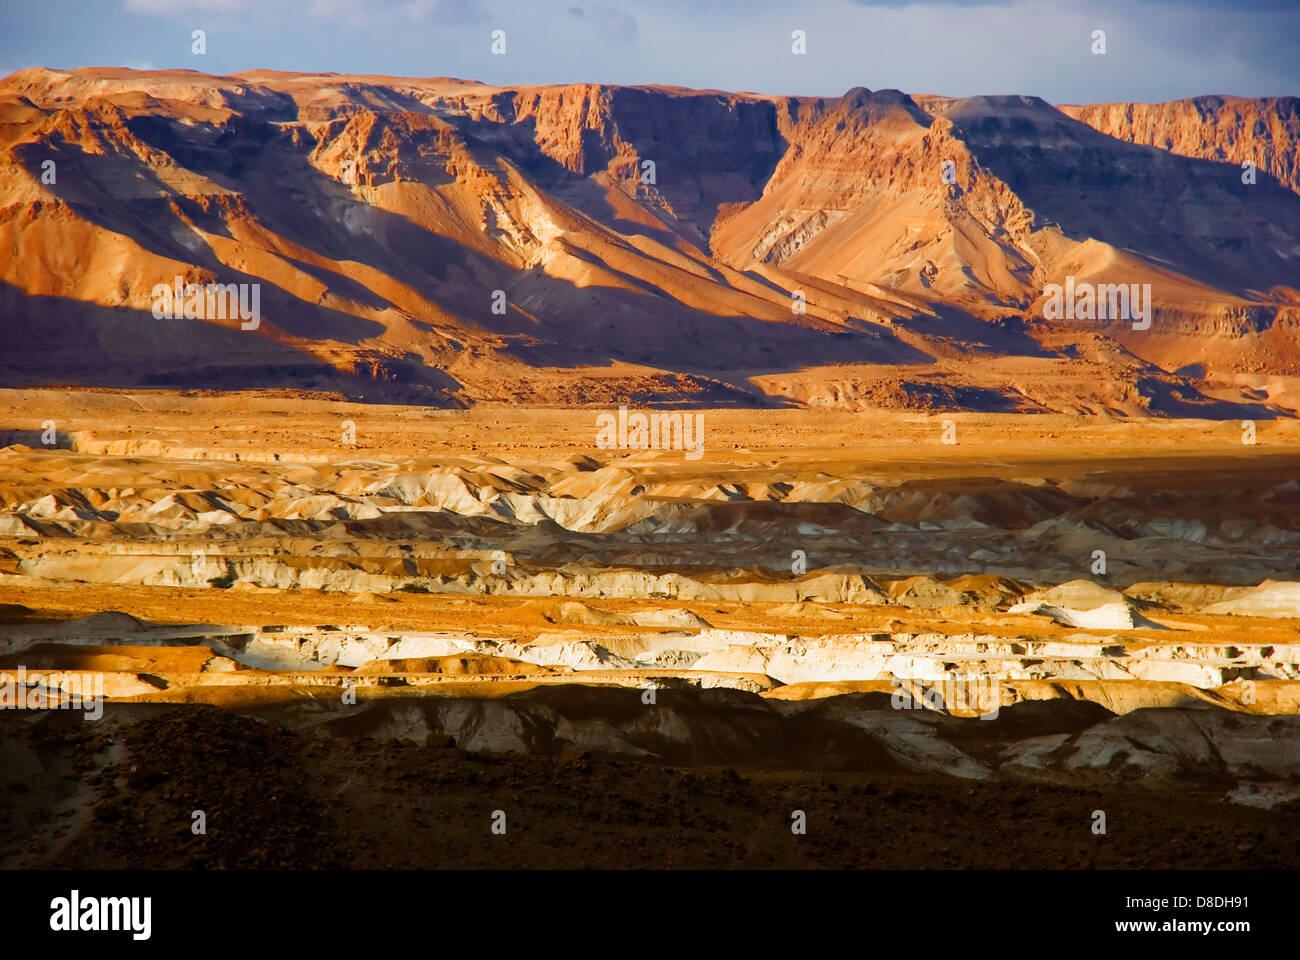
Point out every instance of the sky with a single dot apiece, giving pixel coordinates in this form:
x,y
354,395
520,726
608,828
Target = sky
x,y
1154,49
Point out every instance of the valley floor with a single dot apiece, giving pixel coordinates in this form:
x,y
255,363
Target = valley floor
x,y
349,633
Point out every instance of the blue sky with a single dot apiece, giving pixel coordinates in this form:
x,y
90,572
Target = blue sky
x,y
1155,49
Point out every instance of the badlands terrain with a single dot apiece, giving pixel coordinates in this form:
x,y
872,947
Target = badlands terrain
x,y
647,659
945,570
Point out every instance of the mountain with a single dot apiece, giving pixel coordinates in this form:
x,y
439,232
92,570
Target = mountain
x,y
1263,130
446,242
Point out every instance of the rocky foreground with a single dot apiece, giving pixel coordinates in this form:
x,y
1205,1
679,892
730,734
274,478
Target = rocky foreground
x,y
123,793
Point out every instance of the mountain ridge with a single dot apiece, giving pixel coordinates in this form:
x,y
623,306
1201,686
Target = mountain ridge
x,y
776,250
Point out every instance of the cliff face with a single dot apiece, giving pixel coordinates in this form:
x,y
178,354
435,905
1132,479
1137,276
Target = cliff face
x,y
1263,130
456,242
877,195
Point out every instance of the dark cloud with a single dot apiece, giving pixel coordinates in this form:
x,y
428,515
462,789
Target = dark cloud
x,y
610,21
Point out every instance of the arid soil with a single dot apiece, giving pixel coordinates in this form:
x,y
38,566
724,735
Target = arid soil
x,y
123,794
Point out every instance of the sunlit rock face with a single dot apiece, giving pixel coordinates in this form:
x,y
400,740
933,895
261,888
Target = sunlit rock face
x,y
452,243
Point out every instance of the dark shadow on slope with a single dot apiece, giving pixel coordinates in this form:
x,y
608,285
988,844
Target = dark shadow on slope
x,y
694,174
55,341
1193,214
1168,399
974,336
155,222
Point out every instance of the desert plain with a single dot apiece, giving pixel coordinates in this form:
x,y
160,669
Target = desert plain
x,y
466,611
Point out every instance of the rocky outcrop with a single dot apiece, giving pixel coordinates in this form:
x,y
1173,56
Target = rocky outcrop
x,y
1261,130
